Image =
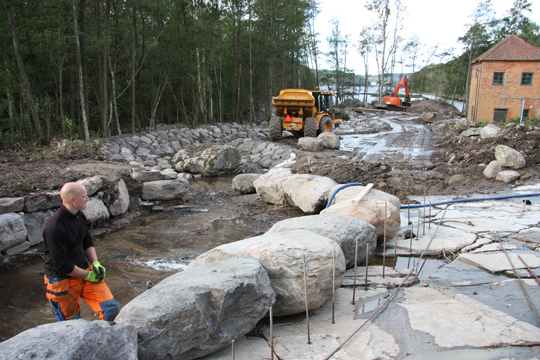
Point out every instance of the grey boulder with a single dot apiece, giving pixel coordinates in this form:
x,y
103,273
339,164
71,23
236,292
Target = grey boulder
x,y
8,205
208,159
42,202
350,192
120,205
269,186
492,169
281,254
165,189
244,183
73,340
309,193
310,144
92,184
200,310
96,210
344,230
509,157
12,231
330,140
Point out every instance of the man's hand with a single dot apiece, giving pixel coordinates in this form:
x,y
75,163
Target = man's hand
x,y
94,277
99,270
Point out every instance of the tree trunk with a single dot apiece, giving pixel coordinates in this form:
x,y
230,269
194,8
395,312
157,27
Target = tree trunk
x,y
80,70
24,77
114,104
457,81
133,59
104,72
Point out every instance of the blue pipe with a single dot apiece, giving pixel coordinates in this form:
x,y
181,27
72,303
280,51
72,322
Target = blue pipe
x,y
338,189
468,200
435,204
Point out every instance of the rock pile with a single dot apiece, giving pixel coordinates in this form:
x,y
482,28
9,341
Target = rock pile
x,y
22,219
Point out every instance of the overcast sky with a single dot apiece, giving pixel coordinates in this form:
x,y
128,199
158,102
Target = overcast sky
x,y
434,21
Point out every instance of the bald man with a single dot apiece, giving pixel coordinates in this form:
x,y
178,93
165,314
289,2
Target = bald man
x,y
72,269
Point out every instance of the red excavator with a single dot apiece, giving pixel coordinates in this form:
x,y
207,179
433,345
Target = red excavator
x,y
394,102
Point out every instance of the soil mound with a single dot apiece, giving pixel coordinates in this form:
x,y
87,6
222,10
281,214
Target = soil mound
x,y
441,107
350,103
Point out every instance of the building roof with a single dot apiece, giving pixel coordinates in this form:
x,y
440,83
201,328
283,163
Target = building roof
x,y
511,48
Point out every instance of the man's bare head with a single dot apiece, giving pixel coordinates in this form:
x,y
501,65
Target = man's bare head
x,y
74,197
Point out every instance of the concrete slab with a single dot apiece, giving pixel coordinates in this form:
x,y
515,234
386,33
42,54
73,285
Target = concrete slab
x,y
477,223
457,321
531,235
245,348
497,261
392,278
481,241
447,238
494,247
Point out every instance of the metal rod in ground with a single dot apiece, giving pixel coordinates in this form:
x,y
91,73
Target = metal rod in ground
x,y
384,241
271,334
418,225
306,299
424,223
333,286
429,224
355,267
528,268
395,252
232,347
410,244
408,212
367,265
525,292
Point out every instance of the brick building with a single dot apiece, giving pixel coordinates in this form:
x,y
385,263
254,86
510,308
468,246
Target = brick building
x,y
505,82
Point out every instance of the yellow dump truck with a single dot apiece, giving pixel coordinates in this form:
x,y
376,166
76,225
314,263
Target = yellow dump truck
x,y
303,112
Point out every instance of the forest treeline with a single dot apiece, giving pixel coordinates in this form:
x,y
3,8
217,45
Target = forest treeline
x,y
83,68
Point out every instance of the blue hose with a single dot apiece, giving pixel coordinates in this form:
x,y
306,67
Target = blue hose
x,y
435,204
339,188
468,200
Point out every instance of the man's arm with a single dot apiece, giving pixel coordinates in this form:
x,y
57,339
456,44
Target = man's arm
x,y
91,254
92,258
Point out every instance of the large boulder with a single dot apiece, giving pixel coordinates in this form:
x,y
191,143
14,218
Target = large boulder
x,y
350,192
310,144
146,175
281,254
244,183
344,230
12,231
269,186
8,205
165,189
371,211
92,184
200,310
73,340
208,159
120,205
509,157
96,210
42,202
309,193
330,140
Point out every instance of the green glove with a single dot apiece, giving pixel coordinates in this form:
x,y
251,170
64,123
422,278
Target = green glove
x,y
94,277
99,270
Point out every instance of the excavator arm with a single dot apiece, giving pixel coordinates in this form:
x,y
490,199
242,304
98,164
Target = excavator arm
x,y
403,82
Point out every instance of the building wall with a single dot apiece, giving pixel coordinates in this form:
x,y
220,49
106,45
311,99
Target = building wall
x,y
486,97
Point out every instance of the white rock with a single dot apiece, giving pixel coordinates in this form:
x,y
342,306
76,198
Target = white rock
x,y
509,157
169,174
309,193
498,262
492,169
92,185
330,140
95,210
244,183
371,211
508,176
350,192
489,131
281,254
121,204
269,186
310,144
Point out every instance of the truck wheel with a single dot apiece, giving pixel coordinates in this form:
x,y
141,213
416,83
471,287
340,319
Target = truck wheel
x,y
310,127
325,125
276,128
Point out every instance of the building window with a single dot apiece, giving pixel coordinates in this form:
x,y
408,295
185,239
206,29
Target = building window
x,y
498,78
525,113
500,115
526,78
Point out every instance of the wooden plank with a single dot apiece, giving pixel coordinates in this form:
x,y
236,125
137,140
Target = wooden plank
x,y
363,193
368,110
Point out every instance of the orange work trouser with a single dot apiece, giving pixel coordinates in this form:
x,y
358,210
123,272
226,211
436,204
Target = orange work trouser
x,y
94,294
